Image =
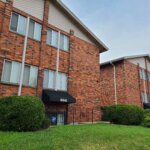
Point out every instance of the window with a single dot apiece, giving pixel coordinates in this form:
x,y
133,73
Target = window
x,y
64,42
35,30
145,97
18,23
143,74
49,80
149,76
12,70
52,39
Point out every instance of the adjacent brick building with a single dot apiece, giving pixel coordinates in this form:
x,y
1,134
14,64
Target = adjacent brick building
x,y
126,81
61,58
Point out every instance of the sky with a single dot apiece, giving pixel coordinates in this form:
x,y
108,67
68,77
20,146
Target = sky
x,y
123,25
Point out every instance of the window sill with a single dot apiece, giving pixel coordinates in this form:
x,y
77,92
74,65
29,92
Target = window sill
x,y
14,84
54,90
56,48
24,36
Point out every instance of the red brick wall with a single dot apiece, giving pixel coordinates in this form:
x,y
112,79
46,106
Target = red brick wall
x,y
107,84
133,92
84,77
129,84
81,64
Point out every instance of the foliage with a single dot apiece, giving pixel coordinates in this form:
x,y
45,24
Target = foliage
x,y
45,123
123,114
21,113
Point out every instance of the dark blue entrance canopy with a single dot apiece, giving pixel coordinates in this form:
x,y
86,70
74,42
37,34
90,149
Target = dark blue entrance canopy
x,y
49,96
146,105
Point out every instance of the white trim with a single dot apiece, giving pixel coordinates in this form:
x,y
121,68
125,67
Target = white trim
x,y
23,57
3,69
57,61
9,82
10,21
81,24
125,58
115,83
18,23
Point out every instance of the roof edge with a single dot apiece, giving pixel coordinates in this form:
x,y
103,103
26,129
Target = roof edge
x,y
101,44
124,58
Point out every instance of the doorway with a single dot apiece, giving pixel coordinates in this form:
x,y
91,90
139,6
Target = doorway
x,y
57,119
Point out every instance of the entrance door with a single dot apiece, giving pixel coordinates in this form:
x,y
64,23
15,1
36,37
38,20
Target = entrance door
x,y
57,119
53,119
60,119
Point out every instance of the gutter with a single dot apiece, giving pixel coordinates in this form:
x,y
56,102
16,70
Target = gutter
x,y
115,83
23,57
57,62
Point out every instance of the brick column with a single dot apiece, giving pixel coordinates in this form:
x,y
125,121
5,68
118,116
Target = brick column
x,y
70,115
42,49
5,15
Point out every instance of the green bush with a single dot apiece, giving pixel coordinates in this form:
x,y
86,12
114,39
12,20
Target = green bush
x,y
24,113
146,113
45,123
123,114
146,122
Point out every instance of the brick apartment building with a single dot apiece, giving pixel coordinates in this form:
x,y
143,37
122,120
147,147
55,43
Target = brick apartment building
x,y
46,51
126,81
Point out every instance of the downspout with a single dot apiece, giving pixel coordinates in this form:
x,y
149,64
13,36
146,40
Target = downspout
x,y
145,89
139,81
147,79
23,57
57,61
115,83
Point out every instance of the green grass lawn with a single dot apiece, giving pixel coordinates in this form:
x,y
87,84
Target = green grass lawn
x,y
82,137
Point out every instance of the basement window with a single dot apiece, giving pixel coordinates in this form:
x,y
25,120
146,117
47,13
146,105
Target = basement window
x,y
12,70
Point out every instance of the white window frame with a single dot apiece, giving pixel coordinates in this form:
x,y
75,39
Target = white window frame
x,y
143,74
50,42
29,26
149,76
17,23
145,97
55,81
8,82
48,79
34,31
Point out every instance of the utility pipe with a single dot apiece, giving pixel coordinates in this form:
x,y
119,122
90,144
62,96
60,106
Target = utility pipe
x,y
23,57
115,83
144,84
57,61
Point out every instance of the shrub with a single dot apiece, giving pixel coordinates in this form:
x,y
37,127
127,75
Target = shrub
x,y
45,123
123,114
146,113
106,112
146,122
24,113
